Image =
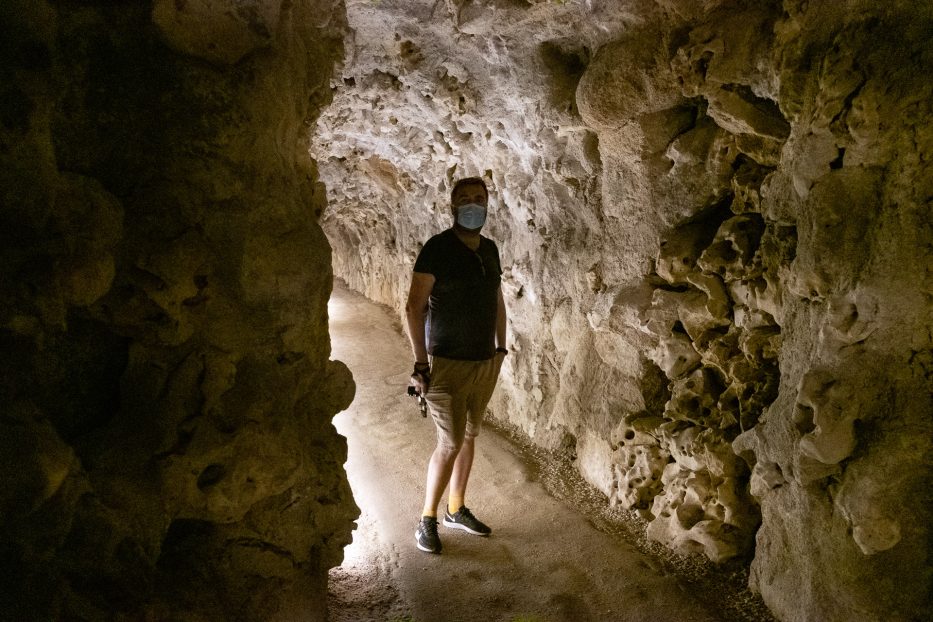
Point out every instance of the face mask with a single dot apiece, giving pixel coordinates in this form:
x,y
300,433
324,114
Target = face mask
x,y
471,216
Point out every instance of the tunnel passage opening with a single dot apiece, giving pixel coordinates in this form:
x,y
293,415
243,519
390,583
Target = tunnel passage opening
x,y
402,129
671,215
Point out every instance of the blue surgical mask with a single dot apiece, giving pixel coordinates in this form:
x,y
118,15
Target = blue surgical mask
x,y
471,216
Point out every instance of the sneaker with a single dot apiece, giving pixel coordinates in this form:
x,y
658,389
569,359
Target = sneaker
x,y
464,519
426,535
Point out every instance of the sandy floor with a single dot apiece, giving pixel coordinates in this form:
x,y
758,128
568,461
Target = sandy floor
x,y
555,553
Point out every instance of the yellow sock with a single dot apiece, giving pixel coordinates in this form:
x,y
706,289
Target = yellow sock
x,y
454,504
429,511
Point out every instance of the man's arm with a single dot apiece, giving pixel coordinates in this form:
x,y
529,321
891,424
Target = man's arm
x,y
421,285
500,321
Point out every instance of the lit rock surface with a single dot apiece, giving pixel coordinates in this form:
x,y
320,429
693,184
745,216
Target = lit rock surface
x,y
166,451
714,225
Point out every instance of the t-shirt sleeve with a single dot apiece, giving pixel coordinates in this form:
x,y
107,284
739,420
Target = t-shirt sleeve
x,y
427,258
495,254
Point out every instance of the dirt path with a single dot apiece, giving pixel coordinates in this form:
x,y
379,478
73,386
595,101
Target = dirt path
x,y
545,561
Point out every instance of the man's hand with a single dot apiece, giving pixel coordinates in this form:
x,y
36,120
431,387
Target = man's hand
x,y
421,378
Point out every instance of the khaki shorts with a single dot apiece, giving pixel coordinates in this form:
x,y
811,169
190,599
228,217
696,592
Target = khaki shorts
x,y
458,395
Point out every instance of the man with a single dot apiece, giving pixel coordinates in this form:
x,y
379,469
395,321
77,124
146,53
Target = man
x,y
456,288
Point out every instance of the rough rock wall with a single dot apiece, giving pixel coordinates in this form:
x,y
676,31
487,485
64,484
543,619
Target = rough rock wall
x,y
714,220
166,450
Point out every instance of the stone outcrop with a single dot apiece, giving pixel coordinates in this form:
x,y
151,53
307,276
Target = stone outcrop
x,y
714,225
166,450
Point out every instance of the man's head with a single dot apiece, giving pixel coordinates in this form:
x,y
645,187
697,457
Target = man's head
x,y
468,188
468,201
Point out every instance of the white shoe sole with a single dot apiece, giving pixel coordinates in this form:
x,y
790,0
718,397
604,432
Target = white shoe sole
x,y
452,525
424,548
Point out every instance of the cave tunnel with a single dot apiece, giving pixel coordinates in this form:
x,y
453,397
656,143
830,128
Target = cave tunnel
x,y
716,245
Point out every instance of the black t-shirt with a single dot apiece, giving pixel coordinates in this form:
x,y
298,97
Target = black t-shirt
x,y
463,305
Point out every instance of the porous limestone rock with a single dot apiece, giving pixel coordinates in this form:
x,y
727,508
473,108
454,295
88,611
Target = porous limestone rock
x,y
637,475
728,191
825,418
732,251
638,461
166,450
700,512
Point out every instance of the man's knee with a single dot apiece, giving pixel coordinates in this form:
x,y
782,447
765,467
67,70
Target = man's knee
x,y
473,429
450,445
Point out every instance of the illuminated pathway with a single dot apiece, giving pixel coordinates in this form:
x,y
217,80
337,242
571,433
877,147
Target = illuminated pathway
x,y
544,560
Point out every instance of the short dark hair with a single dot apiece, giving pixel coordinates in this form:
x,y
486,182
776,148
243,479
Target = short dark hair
x,y
468,181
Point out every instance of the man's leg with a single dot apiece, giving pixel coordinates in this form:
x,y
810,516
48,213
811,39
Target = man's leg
x,y
448,410
483,384
439,469
442,463
461,474
457,515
